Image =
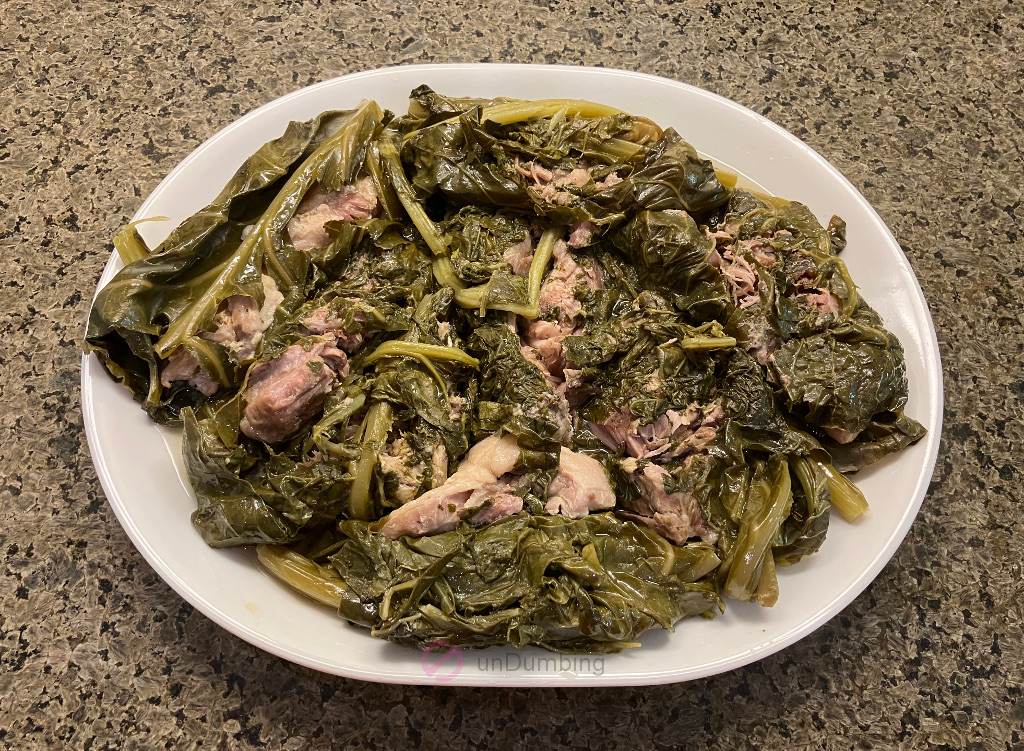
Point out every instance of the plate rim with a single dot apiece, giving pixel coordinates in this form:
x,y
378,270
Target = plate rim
x,y
932,397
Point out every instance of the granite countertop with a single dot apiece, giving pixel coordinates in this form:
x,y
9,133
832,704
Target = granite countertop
x,y
919,104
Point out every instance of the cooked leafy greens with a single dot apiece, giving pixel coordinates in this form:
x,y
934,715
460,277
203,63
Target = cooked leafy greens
x,y
500,371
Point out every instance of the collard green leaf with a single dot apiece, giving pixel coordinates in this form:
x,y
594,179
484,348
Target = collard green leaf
x,y
887,433
672,176
671,254
750,404
841,379
514,396
245,495
594,584
456,158
479,240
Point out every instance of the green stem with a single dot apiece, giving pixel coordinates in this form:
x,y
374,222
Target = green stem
x,y
768,584
845,496
407,197
374,433
444,273
617,148
309,578
707,343
476,297
518,111
417,349
129,245
759,527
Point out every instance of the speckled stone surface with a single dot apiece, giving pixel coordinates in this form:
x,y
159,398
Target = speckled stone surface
x,y
919,104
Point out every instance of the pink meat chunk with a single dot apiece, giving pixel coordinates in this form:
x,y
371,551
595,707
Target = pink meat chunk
x,y
673,435
481,486
351,203
283,394
609,180
580,486
582,233
841,436
337,359
181,366
559,287
520,255
546,338
534,357
238,326
675,516
239,323
325,320
502,505
823,301
614,430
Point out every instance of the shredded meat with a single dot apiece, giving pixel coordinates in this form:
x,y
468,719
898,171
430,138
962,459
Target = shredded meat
x,y
613,431
520,255
673,435
283,394
803,276
763,253
582,233
581,486
543,339
546,338
238,326
481,484
559,288
352,202
181,366
675,516
739,274
324,320
551,183
397,461
761,346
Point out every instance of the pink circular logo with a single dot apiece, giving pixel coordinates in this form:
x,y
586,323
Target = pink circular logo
x,y
442,669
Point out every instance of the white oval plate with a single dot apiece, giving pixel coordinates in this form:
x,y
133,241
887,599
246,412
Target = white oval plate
x,y
139,463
